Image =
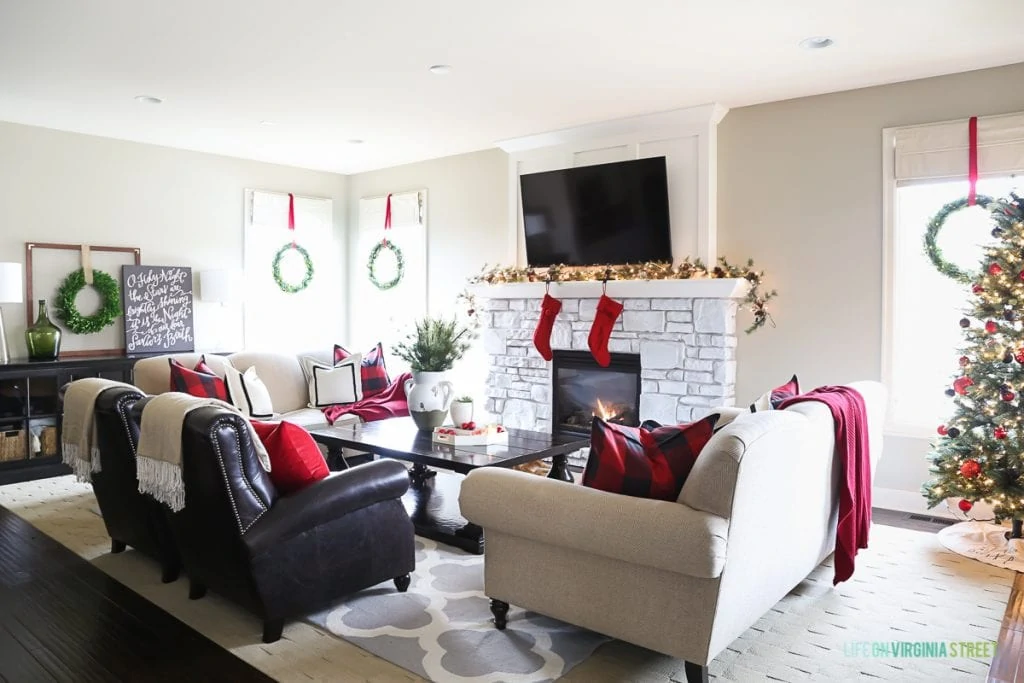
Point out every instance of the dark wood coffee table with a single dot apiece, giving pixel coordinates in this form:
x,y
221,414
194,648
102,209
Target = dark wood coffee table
x,y
433,498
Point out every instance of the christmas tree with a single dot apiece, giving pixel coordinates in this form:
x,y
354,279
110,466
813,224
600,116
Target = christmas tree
x,y
979,455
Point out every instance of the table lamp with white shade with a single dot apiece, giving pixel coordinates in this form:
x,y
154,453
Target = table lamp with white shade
x,y
11,292
219,286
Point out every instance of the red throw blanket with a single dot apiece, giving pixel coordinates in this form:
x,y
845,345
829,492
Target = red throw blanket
x,y
851,423
389,403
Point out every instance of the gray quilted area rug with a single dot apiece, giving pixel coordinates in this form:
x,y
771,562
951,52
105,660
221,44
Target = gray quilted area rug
x,y
907,589
441,629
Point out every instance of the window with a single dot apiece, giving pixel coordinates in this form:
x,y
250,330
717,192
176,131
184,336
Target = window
x,y
926,304
925,168
385,315
301,321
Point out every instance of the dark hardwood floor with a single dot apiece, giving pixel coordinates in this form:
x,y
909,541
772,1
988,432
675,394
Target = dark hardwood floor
x,y
62,619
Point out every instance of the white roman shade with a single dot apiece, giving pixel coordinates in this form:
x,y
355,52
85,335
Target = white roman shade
x,y
940,150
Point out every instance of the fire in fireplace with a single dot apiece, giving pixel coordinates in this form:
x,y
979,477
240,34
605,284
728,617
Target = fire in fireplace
x,y
582,389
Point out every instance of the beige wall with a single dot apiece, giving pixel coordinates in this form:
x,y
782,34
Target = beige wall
x,y
467,227
800,191
179,207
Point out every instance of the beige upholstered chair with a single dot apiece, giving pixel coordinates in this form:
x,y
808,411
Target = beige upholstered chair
x,y
684,578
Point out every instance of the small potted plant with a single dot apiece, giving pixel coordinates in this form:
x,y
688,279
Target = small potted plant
x,y
462,410
431,350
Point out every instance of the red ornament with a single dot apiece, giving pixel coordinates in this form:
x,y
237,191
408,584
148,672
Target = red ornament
x,y
965,505
1009,396
991,327
977,289
961,384
970,469
965,361
999,433
1019,356
942,430
995,269
1020,275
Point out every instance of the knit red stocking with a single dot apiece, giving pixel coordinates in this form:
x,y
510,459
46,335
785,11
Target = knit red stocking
x,y
549,309
608,311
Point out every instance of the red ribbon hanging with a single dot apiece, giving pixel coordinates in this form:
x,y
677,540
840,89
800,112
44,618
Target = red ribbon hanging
x,y
291,216
387,217
972,160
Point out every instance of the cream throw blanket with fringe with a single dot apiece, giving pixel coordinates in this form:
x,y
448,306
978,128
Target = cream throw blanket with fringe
x,y
79,449
159,456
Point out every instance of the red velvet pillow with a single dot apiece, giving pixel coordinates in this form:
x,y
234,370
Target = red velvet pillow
x,y
197,382
374,373
646,463
295,459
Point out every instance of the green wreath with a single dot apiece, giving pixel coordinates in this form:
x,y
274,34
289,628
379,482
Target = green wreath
x,y
287,286
931,247
110,306
371,264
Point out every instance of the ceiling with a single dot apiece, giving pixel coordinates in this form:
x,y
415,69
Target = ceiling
x,y
324,72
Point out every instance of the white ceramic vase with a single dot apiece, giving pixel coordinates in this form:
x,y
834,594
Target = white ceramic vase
x,y
429,395
462,412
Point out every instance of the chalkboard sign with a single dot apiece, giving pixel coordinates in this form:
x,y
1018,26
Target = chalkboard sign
x,y
157,309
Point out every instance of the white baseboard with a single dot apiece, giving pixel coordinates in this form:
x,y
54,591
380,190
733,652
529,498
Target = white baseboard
x,y
906,501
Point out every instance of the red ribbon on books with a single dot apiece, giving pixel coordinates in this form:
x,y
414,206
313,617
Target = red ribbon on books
x,y
387,217
972,161
291,216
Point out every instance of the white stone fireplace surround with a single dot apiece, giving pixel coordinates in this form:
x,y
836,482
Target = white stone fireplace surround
x,y
683,330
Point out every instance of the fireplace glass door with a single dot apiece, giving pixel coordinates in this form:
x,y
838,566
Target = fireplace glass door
x,y
583,389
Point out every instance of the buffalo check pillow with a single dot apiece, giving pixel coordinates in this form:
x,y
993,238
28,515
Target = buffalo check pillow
x,y
641,462
373,372
200,382
770,400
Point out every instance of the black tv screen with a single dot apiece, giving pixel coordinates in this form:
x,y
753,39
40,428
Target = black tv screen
x,y
591,215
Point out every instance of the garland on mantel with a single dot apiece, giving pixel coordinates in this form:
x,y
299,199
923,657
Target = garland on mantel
x,y
756,300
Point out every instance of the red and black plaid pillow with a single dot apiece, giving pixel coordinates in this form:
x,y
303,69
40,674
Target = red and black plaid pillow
x,y
646,463
374,373
770,400
200,382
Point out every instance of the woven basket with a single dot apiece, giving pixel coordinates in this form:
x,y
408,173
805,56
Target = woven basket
x,y
48,441
12,445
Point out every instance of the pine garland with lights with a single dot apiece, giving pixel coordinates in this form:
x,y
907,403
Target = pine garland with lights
x,y
756,300
979,455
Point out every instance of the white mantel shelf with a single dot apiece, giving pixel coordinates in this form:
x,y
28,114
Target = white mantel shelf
x,y
696,288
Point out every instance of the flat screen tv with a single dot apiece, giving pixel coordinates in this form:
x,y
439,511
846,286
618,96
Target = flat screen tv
x,y
591,215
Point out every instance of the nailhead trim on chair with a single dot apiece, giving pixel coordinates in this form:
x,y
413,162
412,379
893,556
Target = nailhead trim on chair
x,y
224,474
122,412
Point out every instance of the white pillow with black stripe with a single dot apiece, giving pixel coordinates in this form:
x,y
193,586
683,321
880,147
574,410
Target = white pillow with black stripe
x,y
248,393
340,384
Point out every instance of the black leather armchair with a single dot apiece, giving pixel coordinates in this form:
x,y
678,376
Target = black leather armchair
x,y
132,519
283,556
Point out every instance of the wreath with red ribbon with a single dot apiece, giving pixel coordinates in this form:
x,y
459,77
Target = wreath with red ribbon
x,y
371,264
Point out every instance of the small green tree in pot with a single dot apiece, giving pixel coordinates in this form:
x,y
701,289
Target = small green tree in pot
x,y
462,410
431,350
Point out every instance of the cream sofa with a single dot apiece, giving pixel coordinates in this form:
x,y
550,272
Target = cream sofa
x,y
756,515
281,372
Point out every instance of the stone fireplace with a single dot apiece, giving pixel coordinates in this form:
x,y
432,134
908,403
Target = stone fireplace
x,y
683,333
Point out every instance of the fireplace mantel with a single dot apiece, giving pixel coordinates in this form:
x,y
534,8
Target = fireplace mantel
x,y
696,288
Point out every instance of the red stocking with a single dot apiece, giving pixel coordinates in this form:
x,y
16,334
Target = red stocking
x,y
549,308
608,311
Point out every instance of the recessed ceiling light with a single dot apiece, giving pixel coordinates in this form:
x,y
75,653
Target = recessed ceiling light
x,y
440,69
355,141
148,99
816,42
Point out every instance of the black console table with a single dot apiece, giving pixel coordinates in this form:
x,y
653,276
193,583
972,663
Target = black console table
x,y
30,411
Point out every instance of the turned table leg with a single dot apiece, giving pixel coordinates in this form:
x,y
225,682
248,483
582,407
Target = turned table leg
x,y
560,469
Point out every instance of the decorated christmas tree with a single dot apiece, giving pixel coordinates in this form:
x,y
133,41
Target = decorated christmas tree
x,y
979,454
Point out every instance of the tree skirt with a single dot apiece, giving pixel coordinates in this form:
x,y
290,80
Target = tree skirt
x,y
985,542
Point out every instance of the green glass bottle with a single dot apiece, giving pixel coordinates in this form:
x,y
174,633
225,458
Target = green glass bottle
x,y
43,338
